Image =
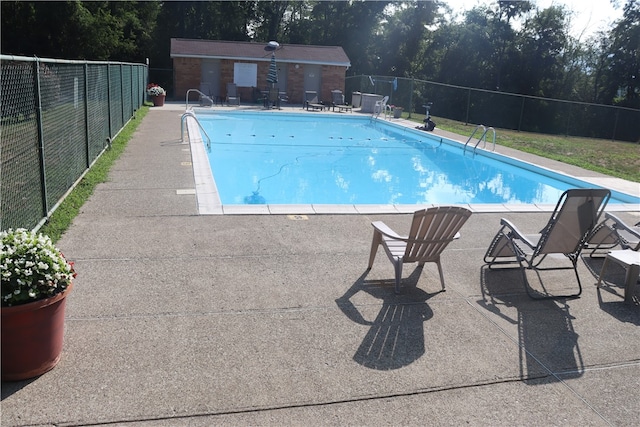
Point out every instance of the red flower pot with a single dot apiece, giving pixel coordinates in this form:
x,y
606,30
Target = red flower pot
x,y
32,336
158,100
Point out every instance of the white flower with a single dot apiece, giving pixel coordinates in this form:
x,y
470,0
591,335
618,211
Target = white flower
x,y
31,267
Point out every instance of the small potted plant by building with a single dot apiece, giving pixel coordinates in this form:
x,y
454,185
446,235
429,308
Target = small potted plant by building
x,y
157,94
35,280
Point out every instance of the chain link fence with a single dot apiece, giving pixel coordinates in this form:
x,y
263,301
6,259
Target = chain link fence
x,y
57,118
503,110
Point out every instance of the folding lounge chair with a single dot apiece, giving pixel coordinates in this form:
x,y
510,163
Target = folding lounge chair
x,y
232,94
431,231
613,232
567,231
311,100
337,101
272,99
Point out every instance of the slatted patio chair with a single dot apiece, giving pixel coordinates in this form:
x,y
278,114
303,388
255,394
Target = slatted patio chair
x,y
381,107
431,231
572,222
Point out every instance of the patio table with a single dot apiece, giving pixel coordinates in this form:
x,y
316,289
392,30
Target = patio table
x,y
630,260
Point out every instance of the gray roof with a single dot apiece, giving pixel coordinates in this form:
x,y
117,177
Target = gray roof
x,y
303,54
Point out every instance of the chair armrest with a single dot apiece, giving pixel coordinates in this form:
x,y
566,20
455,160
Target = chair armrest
x,y
620,225
514,230
384,229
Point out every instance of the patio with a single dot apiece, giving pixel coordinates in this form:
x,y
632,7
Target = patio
x,y
185,319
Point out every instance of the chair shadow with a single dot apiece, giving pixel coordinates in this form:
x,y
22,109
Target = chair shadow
x,y
613,283
547,341
396,336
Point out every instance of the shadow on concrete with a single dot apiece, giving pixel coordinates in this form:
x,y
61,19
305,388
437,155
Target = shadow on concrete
x,y
545,332
396,336
11,387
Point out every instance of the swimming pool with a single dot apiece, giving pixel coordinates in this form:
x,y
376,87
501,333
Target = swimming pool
x,y
314,159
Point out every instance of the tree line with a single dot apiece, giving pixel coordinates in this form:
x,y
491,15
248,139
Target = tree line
x,y
510,46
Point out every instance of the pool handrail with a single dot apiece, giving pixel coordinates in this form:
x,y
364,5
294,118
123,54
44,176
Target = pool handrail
x,y
202,95
483,137
192,115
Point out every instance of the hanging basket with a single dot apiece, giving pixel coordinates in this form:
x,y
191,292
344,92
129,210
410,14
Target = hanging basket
x,y
32,337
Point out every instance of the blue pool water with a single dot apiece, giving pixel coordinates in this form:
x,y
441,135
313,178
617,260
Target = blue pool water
x,y
274,158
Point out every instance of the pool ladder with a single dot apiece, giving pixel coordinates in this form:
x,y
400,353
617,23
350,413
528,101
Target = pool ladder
x,y
192,115
202,97
483,138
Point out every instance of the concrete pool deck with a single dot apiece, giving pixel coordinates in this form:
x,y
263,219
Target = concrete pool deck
x,y
181,319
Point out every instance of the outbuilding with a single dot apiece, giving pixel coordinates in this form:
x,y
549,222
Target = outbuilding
x,y
208,65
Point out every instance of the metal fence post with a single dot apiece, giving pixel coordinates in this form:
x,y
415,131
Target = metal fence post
x,y
41,157
109,99
410,98
615,126
133,102
86,113
521,114
122,94
466,120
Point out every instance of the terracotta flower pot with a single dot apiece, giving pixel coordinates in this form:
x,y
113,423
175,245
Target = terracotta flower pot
x,y
158,100
32,336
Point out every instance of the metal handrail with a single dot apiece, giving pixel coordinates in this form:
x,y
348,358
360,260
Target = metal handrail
x,y
182,120
186,101
473,133
483,138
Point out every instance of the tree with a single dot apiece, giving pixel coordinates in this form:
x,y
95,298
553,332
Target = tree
x,y
403,37
79,30
543,41
621,81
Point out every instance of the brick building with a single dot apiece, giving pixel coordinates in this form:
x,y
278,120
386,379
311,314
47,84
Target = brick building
x,y
208,65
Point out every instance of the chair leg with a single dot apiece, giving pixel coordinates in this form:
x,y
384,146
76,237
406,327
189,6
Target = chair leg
x,y
529,290
375,242
441,275
604,266
397,265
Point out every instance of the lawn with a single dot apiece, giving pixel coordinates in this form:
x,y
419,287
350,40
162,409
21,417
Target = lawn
x,y
615,158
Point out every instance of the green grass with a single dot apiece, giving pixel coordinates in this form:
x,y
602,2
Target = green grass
x,y
614,158
62,217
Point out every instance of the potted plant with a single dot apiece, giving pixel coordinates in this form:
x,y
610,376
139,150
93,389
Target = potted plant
x,y
35,280
157,94
397,111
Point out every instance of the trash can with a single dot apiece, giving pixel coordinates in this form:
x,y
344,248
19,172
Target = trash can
x,y
356,99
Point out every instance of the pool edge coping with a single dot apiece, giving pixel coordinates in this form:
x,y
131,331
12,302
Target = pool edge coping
x,y
209,203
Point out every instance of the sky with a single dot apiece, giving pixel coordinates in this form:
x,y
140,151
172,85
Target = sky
x,y
589,15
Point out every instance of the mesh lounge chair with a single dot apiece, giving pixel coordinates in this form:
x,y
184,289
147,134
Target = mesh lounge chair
x,y
571,223
207,97
232,94
272,100
311,100
431,231
613,232
337,101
